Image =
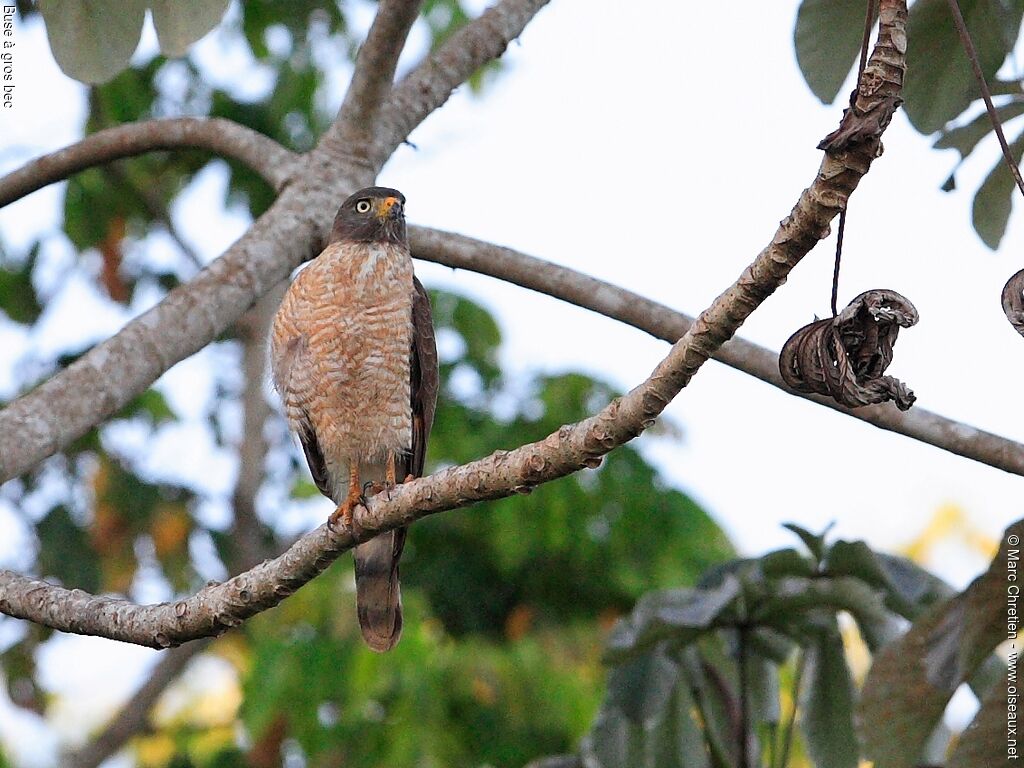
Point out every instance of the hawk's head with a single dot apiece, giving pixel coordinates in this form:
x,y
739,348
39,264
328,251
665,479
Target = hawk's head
x,y
371,215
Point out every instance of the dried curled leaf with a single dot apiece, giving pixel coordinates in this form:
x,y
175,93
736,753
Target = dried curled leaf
x,y
1013,301
845,356
860,124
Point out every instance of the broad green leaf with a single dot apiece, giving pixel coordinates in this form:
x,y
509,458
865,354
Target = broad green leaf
x,y
178,24
762,687
965,138
911,589
855,558
827,38
939,83
786,562
677,740
994,199
18,298
642,687
65,553
92,40
827,707
771,644
613,742
912,679
717,705
794,598
681,614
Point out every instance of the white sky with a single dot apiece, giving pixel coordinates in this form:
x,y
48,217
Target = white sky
x,y
657,148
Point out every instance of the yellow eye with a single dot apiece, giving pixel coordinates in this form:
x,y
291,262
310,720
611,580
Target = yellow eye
x,y
363,206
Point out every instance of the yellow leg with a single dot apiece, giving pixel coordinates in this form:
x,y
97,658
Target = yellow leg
x,y
389,471
355,494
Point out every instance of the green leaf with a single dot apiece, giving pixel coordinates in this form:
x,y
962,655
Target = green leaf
x,y
178,24
18,298
939,83
966,137
762,686
793,599
857,559
827,38
92,40
786,562
681,614
911,588
64,551
716,702
642,687
912,679
814,542
994,199
827,708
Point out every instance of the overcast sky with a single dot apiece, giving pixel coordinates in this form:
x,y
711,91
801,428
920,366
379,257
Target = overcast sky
x,y
656,148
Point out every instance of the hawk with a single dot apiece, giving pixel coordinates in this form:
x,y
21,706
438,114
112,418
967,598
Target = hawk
x,y
354,359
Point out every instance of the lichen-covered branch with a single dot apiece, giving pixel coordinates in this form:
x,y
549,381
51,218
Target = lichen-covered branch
x,y
374,74
216,134
218,607
460,252
428,87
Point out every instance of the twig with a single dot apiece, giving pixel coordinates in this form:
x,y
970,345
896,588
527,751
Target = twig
x,y
972,55
218,135
216,608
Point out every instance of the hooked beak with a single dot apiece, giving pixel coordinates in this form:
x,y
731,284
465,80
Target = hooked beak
x,y
389,208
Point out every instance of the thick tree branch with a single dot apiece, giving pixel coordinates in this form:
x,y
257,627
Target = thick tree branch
x,y
107,377
665,323
428,87
218,135
374,73
573,447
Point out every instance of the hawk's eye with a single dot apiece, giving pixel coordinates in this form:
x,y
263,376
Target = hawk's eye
x,y
363,206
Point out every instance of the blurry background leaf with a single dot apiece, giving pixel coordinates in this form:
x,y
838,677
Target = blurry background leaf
x,y
827,38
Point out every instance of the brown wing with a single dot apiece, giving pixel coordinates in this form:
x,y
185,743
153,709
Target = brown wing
x,y
424,377
423,392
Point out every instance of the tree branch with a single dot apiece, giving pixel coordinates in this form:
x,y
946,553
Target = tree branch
x,y
216,608
218,135
428,87
108,376
664,323
374,73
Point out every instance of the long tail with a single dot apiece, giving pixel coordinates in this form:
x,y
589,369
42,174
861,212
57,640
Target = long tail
x,y
378,594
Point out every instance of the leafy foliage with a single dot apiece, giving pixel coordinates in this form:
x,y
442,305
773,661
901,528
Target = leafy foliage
x,y
940,90
698,673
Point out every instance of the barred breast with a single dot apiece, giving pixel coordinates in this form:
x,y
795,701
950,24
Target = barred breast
x,y
341,350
